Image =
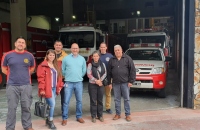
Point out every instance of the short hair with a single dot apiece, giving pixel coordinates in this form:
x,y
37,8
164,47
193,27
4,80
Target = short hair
x,y
74,43
103,43
20,37
96,52
58,41
117,46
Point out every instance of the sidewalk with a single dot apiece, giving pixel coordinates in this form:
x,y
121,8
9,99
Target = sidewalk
x,y
169,119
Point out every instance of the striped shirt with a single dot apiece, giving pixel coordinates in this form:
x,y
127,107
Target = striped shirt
x,y
54,77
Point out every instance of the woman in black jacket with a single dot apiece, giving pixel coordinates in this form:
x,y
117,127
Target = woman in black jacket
x,y
96,72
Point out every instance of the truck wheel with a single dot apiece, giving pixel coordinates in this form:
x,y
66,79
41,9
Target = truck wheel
x,y
2,79
162,93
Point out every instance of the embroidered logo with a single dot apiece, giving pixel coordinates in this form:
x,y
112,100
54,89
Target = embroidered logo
x,y
107,59
26,60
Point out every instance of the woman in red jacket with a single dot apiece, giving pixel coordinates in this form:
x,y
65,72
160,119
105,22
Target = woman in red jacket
x,y
49,83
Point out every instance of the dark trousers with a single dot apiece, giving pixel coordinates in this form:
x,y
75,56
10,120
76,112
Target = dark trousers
x,y
14,95
96,100
62,94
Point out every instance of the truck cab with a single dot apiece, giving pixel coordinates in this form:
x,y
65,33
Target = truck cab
x,y
85,35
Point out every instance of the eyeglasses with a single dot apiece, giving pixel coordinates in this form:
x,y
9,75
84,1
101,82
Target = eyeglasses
x,y
74,48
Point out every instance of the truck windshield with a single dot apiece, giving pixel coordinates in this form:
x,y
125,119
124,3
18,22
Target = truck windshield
x,y
84,39
145,54
147,39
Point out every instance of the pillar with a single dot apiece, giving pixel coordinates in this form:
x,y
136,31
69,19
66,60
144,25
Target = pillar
x,y
18,19
67,11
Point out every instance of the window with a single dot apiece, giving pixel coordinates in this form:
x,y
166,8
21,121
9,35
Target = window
x,y
83,38
145,54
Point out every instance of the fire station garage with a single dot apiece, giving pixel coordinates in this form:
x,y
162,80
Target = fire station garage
x,y
161,36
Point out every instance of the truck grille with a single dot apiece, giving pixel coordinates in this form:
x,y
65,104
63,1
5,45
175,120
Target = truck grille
x,y
145,81
144,73
143,70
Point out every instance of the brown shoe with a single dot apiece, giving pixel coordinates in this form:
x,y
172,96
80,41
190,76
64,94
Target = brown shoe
x,y
64,122
93,120
80,120
101,119
30,129
116,117
128,118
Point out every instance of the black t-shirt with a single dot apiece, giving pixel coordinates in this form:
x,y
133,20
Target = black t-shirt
x,y
58,55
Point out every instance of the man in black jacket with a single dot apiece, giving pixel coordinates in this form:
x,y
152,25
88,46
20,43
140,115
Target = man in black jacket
x,y
122,71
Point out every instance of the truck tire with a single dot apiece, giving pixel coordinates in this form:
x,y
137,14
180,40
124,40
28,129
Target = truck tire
x,y
162,93
2,79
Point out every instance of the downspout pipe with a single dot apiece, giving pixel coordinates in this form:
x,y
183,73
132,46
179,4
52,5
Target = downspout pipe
x,y
182,50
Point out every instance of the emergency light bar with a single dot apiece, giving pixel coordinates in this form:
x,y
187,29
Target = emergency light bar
x,y
133,45
80,24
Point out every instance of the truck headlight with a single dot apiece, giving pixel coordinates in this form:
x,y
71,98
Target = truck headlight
x,y
158,70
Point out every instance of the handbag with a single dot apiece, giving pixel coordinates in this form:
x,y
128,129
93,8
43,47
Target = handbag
x,y
105,82
41,108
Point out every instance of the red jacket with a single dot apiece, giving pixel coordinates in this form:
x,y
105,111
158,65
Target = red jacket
x,y
44,80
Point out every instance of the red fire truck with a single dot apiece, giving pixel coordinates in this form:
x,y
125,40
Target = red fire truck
x,y
38,41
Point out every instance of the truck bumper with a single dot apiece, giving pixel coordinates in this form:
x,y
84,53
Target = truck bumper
x,y
154,81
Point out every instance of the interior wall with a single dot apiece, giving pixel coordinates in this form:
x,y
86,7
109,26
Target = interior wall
x,y
39,21
4,12
5,17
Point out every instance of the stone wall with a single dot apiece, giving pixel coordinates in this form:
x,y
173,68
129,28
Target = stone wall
x,y
197,57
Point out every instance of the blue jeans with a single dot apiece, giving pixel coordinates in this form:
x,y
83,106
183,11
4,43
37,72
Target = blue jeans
x,y
51,101
121,89
69,87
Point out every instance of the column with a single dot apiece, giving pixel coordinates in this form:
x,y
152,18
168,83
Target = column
x,y
18,19
67,11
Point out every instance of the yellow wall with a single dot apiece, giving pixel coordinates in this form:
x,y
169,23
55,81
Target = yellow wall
x,y
40,22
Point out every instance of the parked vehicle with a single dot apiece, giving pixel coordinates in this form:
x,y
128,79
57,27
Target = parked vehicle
x,y
151,68
85,35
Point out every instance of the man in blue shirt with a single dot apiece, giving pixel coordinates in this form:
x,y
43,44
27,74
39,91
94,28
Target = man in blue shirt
x,y
73,69
105,57
18,65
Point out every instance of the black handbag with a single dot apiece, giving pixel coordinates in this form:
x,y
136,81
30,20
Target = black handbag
x,y
105,82
41,108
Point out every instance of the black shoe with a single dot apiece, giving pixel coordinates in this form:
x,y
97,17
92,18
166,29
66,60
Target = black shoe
x,y
46,122
50,124
109,111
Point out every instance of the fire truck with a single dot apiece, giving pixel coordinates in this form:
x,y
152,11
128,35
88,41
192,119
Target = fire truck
x,y
87,37
38,42
151,68
150,36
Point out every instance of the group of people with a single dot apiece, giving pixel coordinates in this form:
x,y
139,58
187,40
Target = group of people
x,y
63,74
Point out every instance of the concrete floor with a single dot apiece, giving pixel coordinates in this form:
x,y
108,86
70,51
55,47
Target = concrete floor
x,y
140,101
